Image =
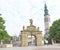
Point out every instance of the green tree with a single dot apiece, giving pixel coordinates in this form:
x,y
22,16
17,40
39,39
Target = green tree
x,y
54,33
3,33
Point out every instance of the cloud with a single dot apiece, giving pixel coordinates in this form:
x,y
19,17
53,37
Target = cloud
x,y
18,12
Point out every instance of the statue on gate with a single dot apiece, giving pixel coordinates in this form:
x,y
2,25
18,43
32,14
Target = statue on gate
x,y
31,21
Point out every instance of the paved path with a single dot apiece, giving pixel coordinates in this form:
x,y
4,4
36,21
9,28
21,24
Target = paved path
x,y
33,48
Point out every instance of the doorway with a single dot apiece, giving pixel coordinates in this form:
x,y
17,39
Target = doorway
x,y
31,40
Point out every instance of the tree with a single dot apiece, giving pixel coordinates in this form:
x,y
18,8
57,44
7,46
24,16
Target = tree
x,y
3,33
54,33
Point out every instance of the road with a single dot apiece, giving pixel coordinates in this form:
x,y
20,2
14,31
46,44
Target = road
x,y
47,47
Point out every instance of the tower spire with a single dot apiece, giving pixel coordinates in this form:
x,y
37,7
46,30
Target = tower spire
x,y
46,21
45,10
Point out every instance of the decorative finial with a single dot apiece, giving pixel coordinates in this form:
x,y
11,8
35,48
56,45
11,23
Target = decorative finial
x,y
38,28
31,21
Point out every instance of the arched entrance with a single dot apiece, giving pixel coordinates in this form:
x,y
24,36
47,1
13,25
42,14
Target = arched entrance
x,y
34,33
31,40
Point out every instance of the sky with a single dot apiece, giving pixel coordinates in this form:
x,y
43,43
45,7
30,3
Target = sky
x,y
17,13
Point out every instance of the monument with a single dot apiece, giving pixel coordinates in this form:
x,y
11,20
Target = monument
x,y
33,31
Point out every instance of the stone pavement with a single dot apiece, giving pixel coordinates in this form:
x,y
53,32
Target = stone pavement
x,y
33,48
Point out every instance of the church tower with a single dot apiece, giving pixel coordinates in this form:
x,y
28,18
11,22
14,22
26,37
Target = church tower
x,y
46,21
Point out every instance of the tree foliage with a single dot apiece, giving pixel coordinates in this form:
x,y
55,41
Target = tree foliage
x,y
3,33
54,32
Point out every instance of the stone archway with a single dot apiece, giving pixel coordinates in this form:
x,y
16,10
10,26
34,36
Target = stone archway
x,y
31,30
32,40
